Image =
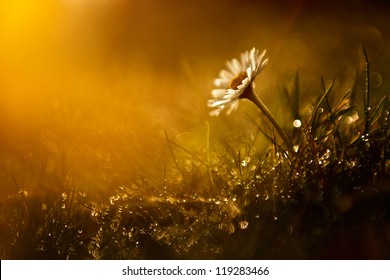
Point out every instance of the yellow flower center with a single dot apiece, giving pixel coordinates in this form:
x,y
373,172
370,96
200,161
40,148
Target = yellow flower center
x,y
236,81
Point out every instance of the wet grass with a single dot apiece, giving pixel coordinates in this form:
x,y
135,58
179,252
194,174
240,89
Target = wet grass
x,y
226,200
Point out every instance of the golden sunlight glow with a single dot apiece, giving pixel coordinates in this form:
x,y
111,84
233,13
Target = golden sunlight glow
x,y
90,87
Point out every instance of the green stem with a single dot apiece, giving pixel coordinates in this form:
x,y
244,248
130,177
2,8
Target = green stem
x,y
251,95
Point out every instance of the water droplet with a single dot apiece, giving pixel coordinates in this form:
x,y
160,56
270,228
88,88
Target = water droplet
x,y
23,192
244,224
234,173
188,165
94,213
297,123
352,118
83,194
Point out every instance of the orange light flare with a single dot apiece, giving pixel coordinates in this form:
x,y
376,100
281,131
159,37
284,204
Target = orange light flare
x,y
101,80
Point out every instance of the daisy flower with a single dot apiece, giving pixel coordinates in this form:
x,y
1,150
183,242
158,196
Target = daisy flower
x,y
235,82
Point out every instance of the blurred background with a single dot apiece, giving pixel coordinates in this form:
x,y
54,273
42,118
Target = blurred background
x,y
90,88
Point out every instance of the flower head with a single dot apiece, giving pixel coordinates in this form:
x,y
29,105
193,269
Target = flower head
x,y
234,81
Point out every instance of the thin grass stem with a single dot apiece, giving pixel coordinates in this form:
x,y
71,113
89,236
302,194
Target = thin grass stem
x,y
367,93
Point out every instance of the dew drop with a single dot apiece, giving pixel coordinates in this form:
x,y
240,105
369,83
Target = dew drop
x,y
297,123
244,224
83,194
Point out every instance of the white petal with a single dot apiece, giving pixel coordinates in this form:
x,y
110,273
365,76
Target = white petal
x,y
230,67
215,113
249,72
245,59
232,91
218,93
234,66
245,82
223,74
264,63
222,83
238,65
218,103
242,86
263,54
260,57
253,58
233,106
